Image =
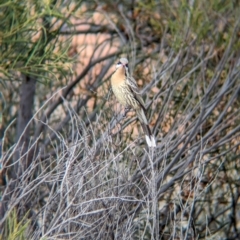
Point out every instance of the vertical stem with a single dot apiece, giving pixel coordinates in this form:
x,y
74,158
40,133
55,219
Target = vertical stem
x,y
155,210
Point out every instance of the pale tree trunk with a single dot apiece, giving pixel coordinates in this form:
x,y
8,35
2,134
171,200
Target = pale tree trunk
x,y
27,92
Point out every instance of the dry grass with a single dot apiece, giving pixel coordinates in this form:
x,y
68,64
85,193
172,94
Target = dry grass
x,y
87,172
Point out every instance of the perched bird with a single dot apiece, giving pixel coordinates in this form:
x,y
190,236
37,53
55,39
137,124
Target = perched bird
x,y
126,91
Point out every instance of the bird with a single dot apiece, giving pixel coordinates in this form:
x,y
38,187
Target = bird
x,y
127,93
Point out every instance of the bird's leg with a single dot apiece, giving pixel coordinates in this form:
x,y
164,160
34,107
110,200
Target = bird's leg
x,y
126,110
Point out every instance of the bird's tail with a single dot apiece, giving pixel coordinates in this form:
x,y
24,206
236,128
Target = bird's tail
x,y
150,139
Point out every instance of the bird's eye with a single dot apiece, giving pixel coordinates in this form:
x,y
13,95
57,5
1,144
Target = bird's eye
x,y
118,64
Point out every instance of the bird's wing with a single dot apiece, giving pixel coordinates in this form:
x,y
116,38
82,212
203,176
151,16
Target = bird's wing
x,y
134,89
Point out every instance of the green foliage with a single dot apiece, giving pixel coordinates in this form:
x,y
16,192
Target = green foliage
x,y
185,21
31,45
15,229
30,40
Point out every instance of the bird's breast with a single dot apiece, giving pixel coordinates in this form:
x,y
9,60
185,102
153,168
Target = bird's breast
x,y
120,91
118,77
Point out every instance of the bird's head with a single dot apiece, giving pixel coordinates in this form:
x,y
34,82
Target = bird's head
x,y
123,62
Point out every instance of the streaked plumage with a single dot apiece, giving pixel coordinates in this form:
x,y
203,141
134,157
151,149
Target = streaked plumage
x,y
126,91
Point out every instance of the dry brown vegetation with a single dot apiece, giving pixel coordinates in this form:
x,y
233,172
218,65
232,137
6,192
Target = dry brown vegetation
x,y
73,166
